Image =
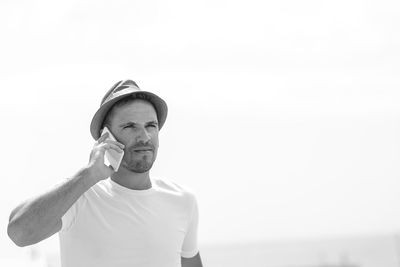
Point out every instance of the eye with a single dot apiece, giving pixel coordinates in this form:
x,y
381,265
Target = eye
x,y
152,125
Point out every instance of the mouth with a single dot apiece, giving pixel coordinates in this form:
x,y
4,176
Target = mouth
x,y
143,150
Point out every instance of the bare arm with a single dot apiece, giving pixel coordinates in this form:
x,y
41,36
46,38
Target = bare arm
x,y
192,262
40,217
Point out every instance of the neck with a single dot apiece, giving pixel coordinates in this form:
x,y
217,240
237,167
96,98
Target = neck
x,y
132,180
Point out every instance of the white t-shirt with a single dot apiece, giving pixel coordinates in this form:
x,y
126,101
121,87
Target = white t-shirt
x,y
113,226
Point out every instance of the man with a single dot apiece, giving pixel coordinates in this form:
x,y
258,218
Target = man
x,y
117,218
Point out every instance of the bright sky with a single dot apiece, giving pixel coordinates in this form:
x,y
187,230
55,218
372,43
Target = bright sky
x,y
284,116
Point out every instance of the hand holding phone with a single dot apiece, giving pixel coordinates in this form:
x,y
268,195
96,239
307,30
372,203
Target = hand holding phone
x,y
112,157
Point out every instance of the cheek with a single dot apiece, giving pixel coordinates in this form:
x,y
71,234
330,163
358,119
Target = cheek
x,y
131,141
154,140
124,139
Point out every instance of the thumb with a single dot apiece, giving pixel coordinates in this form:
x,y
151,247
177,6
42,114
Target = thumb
x,y
111,168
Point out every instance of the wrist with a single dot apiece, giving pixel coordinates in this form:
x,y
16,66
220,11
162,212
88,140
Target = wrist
x,y
88,176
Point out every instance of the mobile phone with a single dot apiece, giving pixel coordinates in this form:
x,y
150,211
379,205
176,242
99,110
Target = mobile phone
x,y
112,157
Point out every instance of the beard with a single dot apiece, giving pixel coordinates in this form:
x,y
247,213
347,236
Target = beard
x,y
139,166
138,162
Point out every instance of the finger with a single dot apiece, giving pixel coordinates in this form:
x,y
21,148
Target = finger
x,y
122,146
106,146
102,138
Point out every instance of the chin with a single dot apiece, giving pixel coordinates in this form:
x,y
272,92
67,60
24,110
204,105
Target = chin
x,y
139,167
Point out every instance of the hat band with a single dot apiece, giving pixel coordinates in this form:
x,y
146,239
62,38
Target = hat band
x,y
130,89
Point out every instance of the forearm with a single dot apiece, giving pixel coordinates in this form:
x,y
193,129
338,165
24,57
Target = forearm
x,y
192,262
37,218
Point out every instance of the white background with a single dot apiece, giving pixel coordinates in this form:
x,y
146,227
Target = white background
x,y
284,116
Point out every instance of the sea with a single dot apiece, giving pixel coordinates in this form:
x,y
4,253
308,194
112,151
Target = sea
x,y
360,251
354,251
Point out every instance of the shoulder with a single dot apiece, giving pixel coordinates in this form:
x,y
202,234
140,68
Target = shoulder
x,y
101,190
172,185
175,188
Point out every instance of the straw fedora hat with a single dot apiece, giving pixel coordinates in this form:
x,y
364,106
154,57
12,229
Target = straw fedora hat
x,y
119,91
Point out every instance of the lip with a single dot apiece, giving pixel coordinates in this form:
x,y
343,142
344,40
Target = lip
x,y
143,150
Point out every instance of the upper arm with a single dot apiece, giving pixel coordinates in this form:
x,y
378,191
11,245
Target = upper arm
x,y
51,230
18,232
55,229
192,262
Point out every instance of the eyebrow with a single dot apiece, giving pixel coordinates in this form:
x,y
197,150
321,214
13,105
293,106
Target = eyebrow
x,y
134,123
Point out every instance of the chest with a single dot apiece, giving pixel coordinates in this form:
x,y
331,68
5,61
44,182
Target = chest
x,y
132,226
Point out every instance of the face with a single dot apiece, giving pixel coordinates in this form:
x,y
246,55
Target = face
x,y
135,125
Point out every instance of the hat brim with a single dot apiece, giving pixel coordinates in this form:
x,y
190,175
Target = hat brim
x,y
98,118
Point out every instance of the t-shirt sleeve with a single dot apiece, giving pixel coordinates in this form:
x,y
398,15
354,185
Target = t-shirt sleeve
x,y
190,247
68,219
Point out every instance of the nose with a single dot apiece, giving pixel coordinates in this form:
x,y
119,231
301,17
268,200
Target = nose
x,y
142,135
